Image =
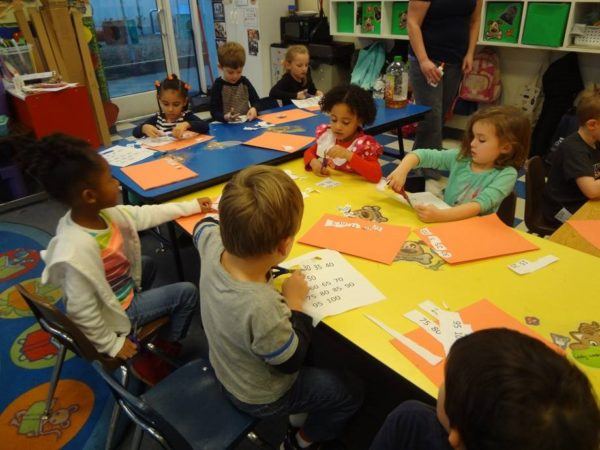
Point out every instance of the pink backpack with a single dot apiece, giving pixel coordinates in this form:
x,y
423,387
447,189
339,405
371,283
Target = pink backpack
x,y
482,84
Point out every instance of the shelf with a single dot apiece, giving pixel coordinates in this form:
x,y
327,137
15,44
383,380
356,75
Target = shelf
x,y
373,36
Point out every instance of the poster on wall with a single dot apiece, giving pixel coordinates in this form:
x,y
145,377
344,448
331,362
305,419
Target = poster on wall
x,y
220,42
218,12
253,38
220,32
251,17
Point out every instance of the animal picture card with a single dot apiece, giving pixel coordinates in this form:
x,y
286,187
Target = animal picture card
x,y
282,142
335,286
288,115
480,315
158,173
588,229
359,237
473,239
179,144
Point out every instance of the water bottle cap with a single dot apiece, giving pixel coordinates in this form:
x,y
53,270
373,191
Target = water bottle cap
x,y
397,58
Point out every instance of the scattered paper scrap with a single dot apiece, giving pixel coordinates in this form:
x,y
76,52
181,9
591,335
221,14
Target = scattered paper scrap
x,y
307,102
531,320
328,183
524,266
560,340
120,156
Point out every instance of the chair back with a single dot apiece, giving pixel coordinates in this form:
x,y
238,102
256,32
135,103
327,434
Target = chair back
x,y
60,327
506,211
267,103
534,186
143,414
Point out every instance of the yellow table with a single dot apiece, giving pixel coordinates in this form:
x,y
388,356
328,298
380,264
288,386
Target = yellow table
x,y
566,235
560,295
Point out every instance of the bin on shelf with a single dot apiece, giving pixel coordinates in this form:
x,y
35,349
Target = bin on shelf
x,y
399,16
502,21
545,24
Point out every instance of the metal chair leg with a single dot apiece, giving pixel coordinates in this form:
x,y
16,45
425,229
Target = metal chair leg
x,y
60,359
114,419
136,442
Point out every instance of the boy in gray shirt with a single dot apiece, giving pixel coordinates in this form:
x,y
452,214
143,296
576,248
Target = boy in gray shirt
x,y
258,337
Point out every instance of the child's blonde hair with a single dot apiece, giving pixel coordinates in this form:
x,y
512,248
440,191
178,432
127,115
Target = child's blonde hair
x,y
232,55
512,127
588,107
260,207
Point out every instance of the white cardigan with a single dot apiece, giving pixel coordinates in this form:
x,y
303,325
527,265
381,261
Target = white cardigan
x,y
73,262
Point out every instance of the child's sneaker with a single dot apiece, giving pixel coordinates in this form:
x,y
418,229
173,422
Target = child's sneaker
x,y
290,442
149,368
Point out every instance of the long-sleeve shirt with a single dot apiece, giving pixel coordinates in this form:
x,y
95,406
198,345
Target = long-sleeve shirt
x,y
487,188
225,97
287,88
197,125
365,160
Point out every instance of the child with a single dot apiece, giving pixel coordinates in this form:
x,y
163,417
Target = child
x,y
296,83
343,144
95,256
232,94
257,336
503,391
482,173
173,114
575,174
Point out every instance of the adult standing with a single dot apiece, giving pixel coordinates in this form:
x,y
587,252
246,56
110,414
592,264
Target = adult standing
x,y
440,31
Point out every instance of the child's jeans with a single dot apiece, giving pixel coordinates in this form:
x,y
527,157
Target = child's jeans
x,y
177,300
329,397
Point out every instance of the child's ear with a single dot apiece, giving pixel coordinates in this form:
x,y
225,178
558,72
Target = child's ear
x,y
88,196
220,67
454,439
506,148
285,246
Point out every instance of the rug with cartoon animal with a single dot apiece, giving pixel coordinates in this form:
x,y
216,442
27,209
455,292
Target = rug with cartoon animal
x,y
80,408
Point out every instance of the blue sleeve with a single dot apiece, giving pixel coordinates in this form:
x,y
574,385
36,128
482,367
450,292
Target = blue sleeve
x,y
137,131
197,125
436,159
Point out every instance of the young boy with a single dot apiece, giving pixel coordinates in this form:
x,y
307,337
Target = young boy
x,y
503,391
232,94
575,174
257,336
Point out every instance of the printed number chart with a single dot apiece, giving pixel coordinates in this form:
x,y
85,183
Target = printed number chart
x,y
334,285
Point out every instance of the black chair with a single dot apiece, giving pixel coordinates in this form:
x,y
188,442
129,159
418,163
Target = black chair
x,y
534,187
187,410
267,103
506,210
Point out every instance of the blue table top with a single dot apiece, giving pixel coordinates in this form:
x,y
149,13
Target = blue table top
x,y
218,165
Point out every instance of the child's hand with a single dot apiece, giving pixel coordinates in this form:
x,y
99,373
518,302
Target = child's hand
x,y
301,95
337,151
252,114
151,131
179,129
205,205
128,350
230,116
318,169
294,290
319,93
397,179
428,213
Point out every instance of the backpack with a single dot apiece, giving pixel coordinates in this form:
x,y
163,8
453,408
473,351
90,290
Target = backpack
x,y
482,84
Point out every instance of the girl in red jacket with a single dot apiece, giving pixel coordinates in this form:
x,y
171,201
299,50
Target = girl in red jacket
x,y
343,145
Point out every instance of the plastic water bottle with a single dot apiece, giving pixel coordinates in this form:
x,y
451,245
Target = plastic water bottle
x,y
396,84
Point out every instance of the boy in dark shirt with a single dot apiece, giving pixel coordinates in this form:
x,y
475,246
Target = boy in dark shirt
x,y
232,94
575,174
503,391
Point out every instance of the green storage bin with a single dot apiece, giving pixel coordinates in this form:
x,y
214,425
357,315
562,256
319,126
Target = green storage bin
x,y
545,24
370,18
502,21
345,17
399,15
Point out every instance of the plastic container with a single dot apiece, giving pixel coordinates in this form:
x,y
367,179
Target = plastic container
x,y
590,37
399,18
502,21
396,84
345,17
15,61
545,24
370,17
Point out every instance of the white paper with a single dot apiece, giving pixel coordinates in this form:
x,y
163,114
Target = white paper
x,y
328,183
335,286
426,198
121,156
157,141
524,266
432,328
409,343
307,102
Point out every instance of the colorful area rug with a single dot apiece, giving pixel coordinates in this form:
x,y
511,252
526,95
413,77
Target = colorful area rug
x,y
82,403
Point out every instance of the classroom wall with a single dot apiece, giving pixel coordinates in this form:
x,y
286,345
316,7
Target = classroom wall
x,y
519,66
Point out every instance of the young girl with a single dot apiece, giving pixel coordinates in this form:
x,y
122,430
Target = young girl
x,y
173,114
296,83
95,256
482,173
343,144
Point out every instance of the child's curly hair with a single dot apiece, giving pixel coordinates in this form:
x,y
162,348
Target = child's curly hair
x,y
356,98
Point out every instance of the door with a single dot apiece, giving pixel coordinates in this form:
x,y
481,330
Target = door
x,y
142,41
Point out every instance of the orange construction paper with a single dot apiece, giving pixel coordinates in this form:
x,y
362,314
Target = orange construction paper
x,y
313,108
188,223
158,173
588,229
181,143
358,237
473,239
480,315
289,115
282,142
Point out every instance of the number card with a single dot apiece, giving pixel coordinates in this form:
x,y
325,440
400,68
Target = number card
x,y
334,285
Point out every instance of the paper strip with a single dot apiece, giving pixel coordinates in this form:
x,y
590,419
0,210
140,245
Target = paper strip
x,y
524,266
